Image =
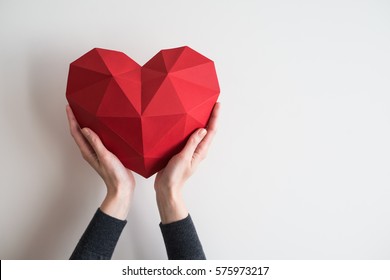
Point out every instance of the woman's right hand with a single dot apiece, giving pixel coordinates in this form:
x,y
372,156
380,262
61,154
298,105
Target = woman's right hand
x,y
119,180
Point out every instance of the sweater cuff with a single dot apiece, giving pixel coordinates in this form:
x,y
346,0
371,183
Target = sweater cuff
x,y
182,241
100,237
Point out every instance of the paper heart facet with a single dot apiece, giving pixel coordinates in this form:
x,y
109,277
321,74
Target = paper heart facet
x,y
144,115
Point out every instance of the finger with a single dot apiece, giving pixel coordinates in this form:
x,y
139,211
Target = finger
x,y
193,142
75,130
203,147
73,125
95,142
85,148
212,123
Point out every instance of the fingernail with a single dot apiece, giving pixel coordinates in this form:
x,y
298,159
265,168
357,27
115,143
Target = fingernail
x,y
202,132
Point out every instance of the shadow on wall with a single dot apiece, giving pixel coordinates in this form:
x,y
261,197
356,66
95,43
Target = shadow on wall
x,y
73,193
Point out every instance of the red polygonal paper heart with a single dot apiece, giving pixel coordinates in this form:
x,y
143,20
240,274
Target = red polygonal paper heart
x,y
144,115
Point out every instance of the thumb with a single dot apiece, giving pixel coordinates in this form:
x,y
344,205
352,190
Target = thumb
x,y
193,142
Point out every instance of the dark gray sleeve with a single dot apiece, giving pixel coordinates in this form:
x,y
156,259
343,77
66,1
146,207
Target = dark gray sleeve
x,y
99,239
182,241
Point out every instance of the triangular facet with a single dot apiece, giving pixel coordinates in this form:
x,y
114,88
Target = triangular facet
x,y
156,63
92,61
164,102
149,90
191,95
155,128
170,57
84,118
137,164
89,98
132,90
115,144
192,125
128,129
203,75
171,142
115,102
153,165
202,112
149,74
117,62
189,58
81,78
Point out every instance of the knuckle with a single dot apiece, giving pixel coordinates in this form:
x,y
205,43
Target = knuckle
x,y
85,157
94,141
179,157
201,156
105,157
193,140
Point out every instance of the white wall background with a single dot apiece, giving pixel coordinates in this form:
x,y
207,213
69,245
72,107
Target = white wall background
x,y
300,168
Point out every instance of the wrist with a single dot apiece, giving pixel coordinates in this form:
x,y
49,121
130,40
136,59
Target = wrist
x,y
119,188
171,206
116,204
